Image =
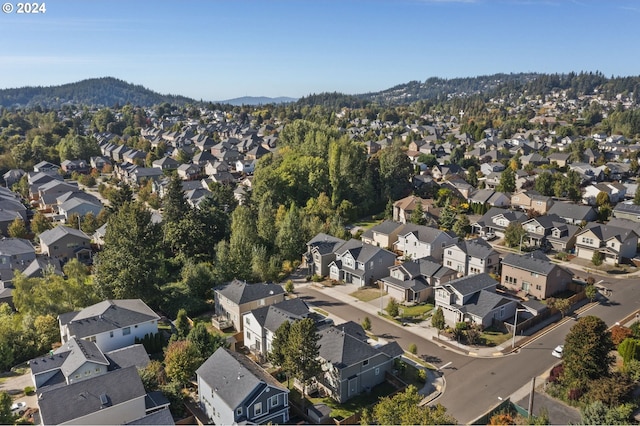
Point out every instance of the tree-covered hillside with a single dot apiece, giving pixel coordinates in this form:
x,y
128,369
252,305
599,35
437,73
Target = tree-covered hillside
x,y
106,91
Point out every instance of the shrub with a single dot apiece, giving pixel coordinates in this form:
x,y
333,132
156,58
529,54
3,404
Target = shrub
x,y
316,278
619,333
29,390
574,394
556,373
413,348
422,375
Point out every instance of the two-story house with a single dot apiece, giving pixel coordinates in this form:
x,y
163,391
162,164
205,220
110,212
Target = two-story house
x,y
540,228
468,257
232,389
403,208
615,244
237,297
359,263
627,211
533,274
383,235
110,324
473,299
66,243
413,281
350,365
320,253
496,220
531,200
416,241
261,324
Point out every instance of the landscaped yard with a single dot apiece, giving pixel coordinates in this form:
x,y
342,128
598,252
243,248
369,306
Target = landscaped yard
x,y
415,311
350,407
367,294
366,223
494,337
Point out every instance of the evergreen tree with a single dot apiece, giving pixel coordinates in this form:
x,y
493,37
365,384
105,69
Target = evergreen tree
x,y
244,237
447,216
291,239
462,227
417,215
174,202
437,320
586,355
507,181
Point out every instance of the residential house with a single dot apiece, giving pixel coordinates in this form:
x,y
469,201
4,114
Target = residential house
x,y
12,177
110,324
359,263
614,190
534,275
574,214
165,163
403,208
416,241
350,365
320,253
237,298
531,200
46,167
232,389
384,234
65,243
560,158
7,217
16,253
260,324
534,158
487,168
99,162
489,197
627,211
469,257
189,171
441,172
473,299
77,166
614,244
413,281
80,207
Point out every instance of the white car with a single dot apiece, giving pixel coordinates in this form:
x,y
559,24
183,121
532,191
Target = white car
x,y
489,236
557,352
19,408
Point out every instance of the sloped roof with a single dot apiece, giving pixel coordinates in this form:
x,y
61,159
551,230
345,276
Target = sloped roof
x,y
62,404
234,377
533,262
50,236
483,302
471,283
606,232
342,349
135,355
107,315
386,227
325,243
423,233
572,211
240,292
15,246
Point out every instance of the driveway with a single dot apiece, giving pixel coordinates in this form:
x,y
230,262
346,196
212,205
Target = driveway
x,y
15,384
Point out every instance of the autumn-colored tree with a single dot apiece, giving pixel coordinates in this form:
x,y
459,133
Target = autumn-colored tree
x,y
619,333
181,359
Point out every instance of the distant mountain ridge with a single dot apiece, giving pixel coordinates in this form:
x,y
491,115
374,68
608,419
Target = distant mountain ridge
x,y
98,92
258,100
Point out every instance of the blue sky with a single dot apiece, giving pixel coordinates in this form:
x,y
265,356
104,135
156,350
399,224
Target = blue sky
x,y
221,49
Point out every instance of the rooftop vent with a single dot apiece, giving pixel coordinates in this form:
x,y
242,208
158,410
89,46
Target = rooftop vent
x,y
104,399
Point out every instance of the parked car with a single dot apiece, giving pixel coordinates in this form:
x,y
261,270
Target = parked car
x,y
489,236
19,408
557,352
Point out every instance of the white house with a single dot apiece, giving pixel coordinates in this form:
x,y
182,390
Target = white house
x,y
418,241
111,324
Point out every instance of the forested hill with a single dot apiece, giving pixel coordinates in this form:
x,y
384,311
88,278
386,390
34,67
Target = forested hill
x,y
105,91
436,89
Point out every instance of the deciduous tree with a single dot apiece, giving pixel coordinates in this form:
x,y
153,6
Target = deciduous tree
x,y
403,409
181,359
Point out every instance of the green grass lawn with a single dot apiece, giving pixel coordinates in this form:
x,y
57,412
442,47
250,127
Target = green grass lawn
x,y
350,407
416,310
494,338
367,294
367,222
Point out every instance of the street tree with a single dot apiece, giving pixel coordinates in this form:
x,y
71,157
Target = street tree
x,y
437,320
513,234
366,324
586,355
392,308
403,409
591,292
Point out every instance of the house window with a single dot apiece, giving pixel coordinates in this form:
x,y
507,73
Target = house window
x,y
257,408
365,362
489,261
377,371
538,287
92,339
248,336
448,263
261,302
449,252
126,331
274,401
77,376
534,274
87,373
111,334
239,411
98,369
246,320
525,286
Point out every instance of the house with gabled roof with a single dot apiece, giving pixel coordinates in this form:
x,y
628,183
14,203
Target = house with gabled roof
x,y
350,365
413,281
416,241
383,234
260,324
359,263
473,299
65,243
534,274
627,211
614,244
489,197
111,324
165,163
237,298
496,221
469,257
232,389
560,158
320,253
403,208
531,200
574,214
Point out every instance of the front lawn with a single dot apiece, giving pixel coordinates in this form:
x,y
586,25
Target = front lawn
x,y
367,294
349,408
415,311
494,337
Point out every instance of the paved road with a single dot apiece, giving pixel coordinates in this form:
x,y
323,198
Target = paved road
x,y
476,384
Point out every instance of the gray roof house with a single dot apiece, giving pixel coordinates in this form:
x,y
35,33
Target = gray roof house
x,y
383,234
413,281
416,241
627,211
360,263
573,214
237,298
496,221
111,324
469,257
534,275
320,253
350,365
261,324
232,389
473,299
65,243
